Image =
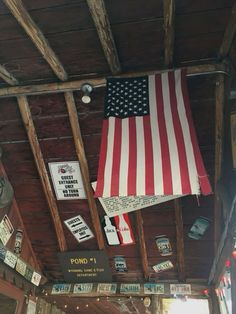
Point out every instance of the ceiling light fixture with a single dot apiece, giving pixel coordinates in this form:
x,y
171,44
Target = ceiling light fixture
x,y
86,89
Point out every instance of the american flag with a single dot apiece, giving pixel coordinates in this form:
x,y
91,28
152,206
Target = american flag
x,y
149,145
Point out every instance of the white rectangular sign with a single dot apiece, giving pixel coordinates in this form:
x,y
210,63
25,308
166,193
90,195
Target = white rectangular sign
x,y
118,205
79,228
36,277
10,259
61,288
31,308
107,288
67,180
180,289
6,229
20,267
130,288
153,288
83,288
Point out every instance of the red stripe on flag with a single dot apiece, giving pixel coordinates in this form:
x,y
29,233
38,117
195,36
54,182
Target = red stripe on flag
x,y
131,180
183,164
149,171
202,176
102,159
165,154
115,173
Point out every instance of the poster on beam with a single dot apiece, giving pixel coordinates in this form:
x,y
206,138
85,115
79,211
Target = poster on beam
x,y
67,180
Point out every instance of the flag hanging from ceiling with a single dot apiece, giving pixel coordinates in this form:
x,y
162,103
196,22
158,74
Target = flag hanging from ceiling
x,y
149,145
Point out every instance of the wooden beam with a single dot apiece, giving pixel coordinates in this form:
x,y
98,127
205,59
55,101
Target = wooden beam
x,y
98,82
169,20
24,19
7,76
142,244
228,35
219,132
180,241
38,157
102,24
16,210
74,121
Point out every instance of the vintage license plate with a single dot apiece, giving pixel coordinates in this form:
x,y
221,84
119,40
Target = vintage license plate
x,y
163,266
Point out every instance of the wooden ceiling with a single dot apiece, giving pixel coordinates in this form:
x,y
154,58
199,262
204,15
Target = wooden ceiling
x,y
47,41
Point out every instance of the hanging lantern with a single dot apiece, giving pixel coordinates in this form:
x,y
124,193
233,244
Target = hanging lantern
x,y
6,192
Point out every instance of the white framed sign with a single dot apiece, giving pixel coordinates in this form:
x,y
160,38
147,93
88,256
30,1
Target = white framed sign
x,y
31,308
61,288
21,267
106,288
79,228
67,180
6,229
153,288
10,259
118,205
130,288
180,289
36,277
83,288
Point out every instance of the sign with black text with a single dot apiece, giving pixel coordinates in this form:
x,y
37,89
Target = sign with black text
x,y
85,266
67,180
79,228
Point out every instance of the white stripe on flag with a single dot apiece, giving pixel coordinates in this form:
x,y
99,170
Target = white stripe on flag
x,y
109,158
124,158
193,177
157,159
174,156
141,171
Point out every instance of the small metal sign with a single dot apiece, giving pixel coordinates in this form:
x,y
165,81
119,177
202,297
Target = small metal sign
x,y
85,266
61,288
10,259
36,277
83,288
163,266
133,288
153,288
198,228
79,228
180,289
20,267
120,264
3,252
107,288
67,180
163,245
6,229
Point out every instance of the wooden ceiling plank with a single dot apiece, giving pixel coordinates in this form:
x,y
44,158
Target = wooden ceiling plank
x,y
169,20
30,129
24,19
60,87
180,241
102,24
219,133
142,244
73,116
7,76
228,35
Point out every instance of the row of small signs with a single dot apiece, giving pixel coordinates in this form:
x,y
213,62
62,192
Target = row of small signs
x,y
124,288
13,261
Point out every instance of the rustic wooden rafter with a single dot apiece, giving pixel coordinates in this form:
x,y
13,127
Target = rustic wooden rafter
x,y
60,87
73,116
219,131
179,241
38,157
7,76
24,19
101,21
142,244
169,20
228,35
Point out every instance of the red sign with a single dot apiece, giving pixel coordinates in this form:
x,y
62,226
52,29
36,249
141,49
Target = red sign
x,y
124,229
